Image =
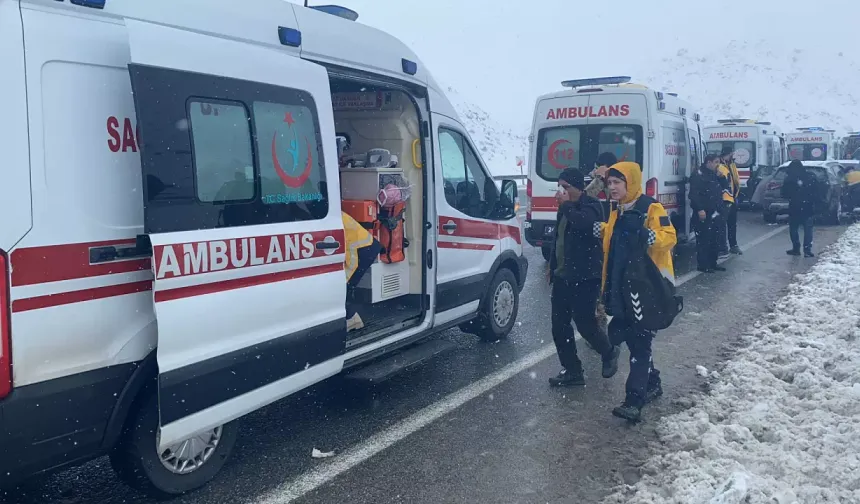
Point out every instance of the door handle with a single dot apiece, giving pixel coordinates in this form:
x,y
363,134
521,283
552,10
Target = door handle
x,y
449,227
328,245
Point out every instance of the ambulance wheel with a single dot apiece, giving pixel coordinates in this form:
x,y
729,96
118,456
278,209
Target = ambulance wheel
x,y
181,468
500,306
545,251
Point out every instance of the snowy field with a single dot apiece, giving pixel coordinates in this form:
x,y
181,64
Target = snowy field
x,y
781,423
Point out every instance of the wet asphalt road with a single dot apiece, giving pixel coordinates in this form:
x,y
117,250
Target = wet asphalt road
x,y
517,441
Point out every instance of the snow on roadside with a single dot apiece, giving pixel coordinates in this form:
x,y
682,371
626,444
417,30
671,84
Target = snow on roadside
x,y
781,424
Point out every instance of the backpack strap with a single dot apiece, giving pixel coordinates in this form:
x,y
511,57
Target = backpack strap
x,y
643,204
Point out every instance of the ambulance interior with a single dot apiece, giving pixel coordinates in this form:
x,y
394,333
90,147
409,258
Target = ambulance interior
x,y
382,187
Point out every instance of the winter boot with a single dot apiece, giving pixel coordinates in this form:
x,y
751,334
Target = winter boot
x,y
719,268
793,252
736,250
655,390
628,412
610,362
354,323
808,253
568,379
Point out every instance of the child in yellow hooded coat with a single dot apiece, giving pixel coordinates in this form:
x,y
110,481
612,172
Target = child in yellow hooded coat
x,y
624,184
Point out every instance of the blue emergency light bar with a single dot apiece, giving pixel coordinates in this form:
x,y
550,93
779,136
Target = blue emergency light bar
x,y
598,81
337,10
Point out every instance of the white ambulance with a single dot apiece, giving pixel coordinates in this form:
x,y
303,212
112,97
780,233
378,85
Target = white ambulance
x,y
172,246
571,128
758,146
810,144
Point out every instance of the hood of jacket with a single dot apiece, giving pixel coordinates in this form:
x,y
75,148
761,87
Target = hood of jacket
x,y
632,173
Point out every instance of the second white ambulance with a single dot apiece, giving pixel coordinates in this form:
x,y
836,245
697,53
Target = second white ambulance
x,y
810,144
571,128
758,146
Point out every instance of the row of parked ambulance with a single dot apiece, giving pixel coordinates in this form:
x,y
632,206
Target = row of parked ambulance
x,y
664,134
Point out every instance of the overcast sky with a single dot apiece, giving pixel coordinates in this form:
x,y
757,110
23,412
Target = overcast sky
x,y
502,54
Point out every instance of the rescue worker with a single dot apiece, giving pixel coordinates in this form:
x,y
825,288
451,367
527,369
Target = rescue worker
x,y
729,170
361,251
801,190
658,237
575,267
852,190
705,201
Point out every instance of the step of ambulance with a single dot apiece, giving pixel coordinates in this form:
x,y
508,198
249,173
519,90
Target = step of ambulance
x,y
381,370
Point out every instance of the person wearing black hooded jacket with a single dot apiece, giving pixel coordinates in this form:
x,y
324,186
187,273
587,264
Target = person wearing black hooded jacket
x,y
706,202
575,270
802,191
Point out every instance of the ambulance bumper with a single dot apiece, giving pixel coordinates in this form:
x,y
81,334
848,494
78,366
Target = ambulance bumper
x,y
540,233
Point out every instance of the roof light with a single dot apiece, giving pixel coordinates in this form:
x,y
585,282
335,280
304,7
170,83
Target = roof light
x,y
661,105
673,94
597,81
337,10
764,123
659,95
696,117
289,36
683,111
95,4
409,67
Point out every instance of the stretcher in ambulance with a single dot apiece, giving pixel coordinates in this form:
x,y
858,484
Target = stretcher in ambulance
x,y
571,128
810,144
758,147
176,256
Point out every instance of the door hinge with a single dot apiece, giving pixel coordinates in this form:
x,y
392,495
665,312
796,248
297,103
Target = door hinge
x,y
651,134
429,259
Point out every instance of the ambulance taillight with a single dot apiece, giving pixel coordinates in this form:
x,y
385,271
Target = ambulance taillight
x,y
5,328
651,188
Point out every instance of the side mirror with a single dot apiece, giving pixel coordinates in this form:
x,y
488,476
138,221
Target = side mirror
x,y
509,200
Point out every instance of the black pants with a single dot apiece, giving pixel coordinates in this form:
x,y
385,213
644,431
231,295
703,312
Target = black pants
x,y
794,225
366,258
643,375
576,300
732,225
720,231
706,243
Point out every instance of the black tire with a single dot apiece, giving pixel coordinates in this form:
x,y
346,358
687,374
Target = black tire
x,y
487,327
769,217
136,461
546,251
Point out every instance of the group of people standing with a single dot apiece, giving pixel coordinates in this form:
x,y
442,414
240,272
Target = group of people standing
x,y
714,191
586,271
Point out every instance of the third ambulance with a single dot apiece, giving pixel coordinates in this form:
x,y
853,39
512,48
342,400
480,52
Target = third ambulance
x,y
758,148
571,128
810,144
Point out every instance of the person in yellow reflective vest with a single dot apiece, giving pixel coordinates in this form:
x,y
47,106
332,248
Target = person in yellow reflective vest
x,y
852,190
624,184
728,228
361,252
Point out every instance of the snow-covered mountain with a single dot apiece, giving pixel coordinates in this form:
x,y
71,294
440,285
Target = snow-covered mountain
x,y
499,145
791,87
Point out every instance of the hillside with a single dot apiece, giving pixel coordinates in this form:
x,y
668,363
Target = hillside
x,y
498,144
763,80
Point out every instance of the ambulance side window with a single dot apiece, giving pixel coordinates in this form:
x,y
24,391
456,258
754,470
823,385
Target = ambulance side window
x,y
467,187
221,143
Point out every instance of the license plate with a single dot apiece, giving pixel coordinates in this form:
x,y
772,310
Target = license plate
x,y
549,230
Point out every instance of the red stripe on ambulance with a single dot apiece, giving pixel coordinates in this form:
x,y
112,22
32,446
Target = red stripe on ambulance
x,y
71,261
467,228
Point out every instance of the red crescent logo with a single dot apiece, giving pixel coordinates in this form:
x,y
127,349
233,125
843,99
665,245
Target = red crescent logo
x,y
292,182
552,156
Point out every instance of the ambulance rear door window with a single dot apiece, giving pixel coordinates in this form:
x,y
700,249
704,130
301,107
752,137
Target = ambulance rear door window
x,y
559,149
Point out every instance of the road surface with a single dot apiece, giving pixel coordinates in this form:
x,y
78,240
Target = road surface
x,y
479,423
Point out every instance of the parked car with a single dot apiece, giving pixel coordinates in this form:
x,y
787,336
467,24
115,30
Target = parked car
x,y
827,172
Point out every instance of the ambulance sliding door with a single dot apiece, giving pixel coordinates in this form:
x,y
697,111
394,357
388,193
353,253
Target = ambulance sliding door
x,y
243,214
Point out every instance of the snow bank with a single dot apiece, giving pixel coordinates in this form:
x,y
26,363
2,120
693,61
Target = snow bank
x,y
781,424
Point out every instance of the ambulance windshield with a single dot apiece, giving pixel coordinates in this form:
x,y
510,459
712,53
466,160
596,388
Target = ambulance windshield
x,y
807,152
744,152
578,147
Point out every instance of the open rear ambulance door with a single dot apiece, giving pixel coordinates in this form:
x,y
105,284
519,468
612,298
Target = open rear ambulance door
x,y
241,206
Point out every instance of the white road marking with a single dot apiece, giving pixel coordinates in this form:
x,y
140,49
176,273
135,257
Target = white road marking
x,y
343,462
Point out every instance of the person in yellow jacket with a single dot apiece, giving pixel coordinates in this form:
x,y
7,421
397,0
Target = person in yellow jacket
x,y
852,190
361,251
624,183
729,171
